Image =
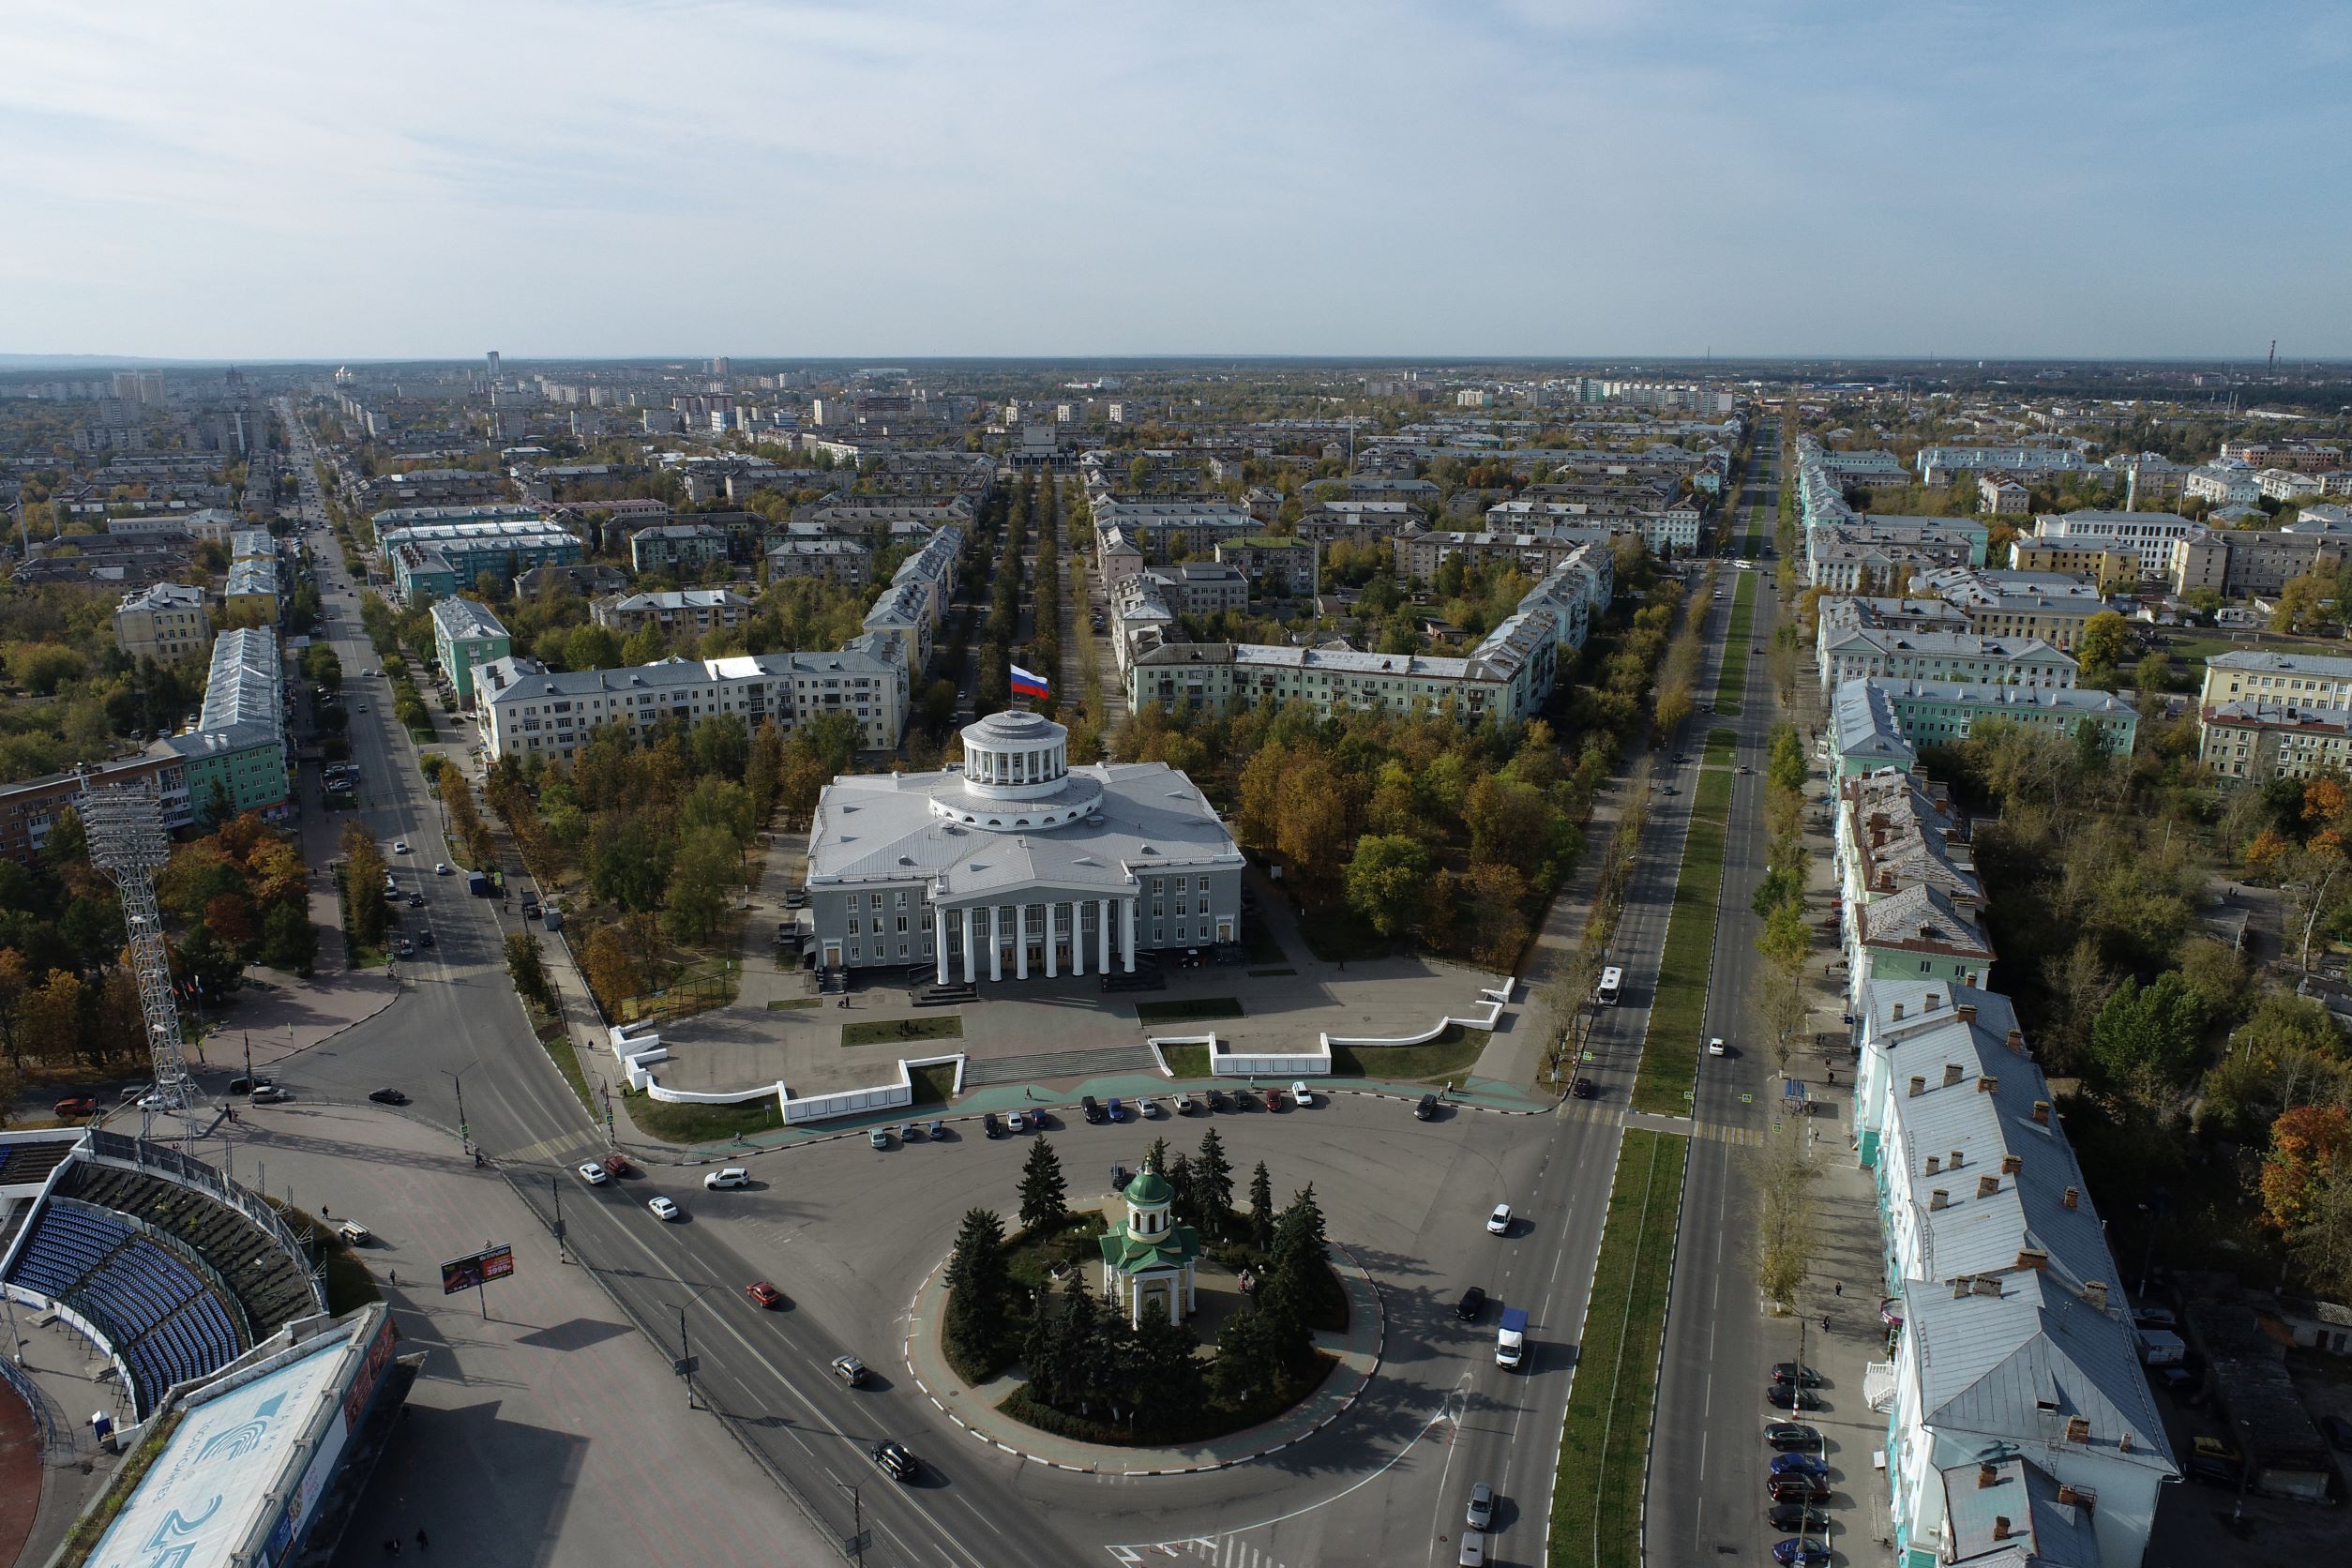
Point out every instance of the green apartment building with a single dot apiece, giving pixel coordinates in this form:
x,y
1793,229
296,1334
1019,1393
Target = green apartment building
x,y
466,635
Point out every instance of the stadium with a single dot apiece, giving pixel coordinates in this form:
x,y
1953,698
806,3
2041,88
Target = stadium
x,y
195,1319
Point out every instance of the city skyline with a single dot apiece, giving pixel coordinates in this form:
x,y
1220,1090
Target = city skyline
x,y
1579,181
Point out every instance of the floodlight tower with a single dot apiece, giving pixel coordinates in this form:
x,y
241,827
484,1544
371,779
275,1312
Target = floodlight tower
x,y
124,823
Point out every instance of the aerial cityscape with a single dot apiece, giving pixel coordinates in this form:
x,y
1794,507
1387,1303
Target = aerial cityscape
x,y
780,786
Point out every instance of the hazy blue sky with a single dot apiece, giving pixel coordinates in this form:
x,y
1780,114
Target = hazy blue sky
x,y
1598,176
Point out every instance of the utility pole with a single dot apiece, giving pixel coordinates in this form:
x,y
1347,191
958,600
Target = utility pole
x,y
857,1521
458,1077
685,1356
556,1188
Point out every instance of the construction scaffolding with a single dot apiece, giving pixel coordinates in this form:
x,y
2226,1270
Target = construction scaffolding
x,y
128,841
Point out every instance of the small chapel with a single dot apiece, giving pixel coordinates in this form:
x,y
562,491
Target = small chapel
x,y
1146,1256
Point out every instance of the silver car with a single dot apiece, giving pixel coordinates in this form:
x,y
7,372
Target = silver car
x,y
1481,1507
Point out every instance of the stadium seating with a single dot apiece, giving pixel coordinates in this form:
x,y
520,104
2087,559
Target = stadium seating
x,y
26,1164
272,1287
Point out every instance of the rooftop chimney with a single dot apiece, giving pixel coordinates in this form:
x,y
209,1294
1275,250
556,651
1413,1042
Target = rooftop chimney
x,y
2000,1523
2077,1497
1934,1165
2073,1197
2032,1257
1951,1074
1898,1012
1986,1084
1986,1285
1919,1086
1931,1003
1987,1186
2078,1429
1958,1159
2012,1163
1937,1200
2041,1111
2017,1041
1987,1475
1967,1011
2095,1292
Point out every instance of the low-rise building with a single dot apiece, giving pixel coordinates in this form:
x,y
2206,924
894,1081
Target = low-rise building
x,y
587,580
434,553
682,549
2252,738
466,635
249,594
1917,933
236,757
2223,484
1943,655
167,623
2276,679
2109,563
1279,566
675,610
2002,495
1938,464
1864,736
1537,552
525,709
1940,712
845,562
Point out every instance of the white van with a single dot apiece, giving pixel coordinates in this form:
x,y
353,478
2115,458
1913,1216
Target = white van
x,y
354,1233
729,1176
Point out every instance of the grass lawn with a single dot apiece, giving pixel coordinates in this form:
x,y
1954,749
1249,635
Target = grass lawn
x,y
1196,1423
933,1085
1337,934
1032,1258
1734,678
559,1050
1722,747
1604,1445
1199,1009
891,1031
1449,1057
1669,1054
1186,1061
783,1001
685,1123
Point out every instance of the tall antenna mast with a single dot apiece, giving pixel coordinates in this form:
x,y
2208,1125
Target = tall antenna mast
x,y
124,823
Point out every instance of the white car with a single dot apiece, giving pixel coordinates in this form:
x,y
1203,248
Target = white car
x,y
663,1209
731,1176
1498,1223
399,846
594,1174
1300,1095
1714,1045
441,869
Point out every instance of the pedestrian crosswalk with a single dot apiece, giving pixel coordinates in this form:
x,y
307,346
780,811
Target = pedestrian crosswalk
x,y
1713,1132
1224,1551
559,1150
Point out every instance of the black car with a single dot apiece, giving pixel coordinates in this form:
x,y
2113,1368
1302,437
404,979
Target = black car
x,y
424,939
388,1098
1218,1100
416,900
1426,1108
1472,1303
991,1126
1789,1372
1581,1088
1788,1397
895,1460
1092,1108
1791,1437
1798,1518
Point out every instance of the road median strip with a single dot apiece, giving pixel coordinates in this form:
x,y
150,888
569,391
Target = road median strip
x,y
1605,1437
1732,678
1669,1051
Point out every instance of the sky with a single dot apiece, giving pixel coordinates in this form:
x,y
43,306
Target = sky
x,y
415,179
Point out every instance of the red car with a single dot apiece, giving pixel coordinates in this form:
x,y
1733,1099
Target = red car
x,y
765,1294
615,1164
79,1105
1273,1099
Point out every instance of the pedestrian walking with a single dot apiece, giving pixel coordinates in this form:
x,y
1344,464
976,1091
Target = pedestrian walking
x,y
395,1277
1824,1322
422,1543
1839,1290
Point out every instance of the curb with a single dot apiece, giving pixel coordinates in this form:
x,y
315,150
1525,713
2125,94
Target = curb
x,y
1379,1356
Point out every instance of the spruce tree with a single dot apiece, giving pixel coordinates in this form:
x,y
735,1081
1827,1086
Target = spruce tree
x,y
1261,1210
977,1286
1213,1184
1044,1196
1081,1351
1184,1201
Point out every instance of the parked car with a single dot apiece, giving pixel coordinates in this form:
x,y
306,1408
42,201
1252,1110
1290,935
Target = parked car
x,y
726,1177
1791,1437
1016,1121
1797,1552
77,1105
1090,1108
1217,1100
354,1233
938,1129
1498,1223
663,1209
895,1458
1789,1372
269,1094
1116,1111
1797,1464
1273,1099
1788,1397
1186,1105
1798,1516
1148,1109
1301,1096
850,1370
991,1126
1426,1108
594,1174
388,1096
762,1294
1472,1304
879,1137
1798,1489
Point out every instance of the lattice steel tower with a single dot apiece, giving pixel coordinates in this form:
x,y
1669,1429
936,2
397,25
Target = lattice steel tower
x,y
127,843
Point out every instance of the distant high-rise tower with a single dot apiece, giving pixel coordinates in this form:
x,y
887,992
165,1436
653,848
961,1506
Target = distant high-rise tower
x,y
722,366
493,358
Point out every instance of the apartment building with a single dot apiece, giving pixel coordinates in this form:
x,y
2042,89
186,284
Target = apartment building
x,y
1894,832
1916,932
1864,736
2110,564
675,610
437,555
1905,654
1938,713
2152,535
2241,563
1358,519
1158,527
237,756
466,635
2018,604
2305,456
2223,484
2276,679
1278,566
524,710
682,549
1538,551
1938,465
2002,495
2252,738
167,623
845,562
431,487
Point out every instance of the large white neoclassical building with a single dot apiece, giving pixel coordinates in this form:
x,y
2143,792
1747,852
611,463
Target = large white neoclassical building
x,y
1016,865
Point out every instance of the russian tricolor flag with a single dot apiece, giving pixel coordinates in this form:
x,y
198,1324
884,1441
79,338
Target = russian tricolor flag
x,y
1028,684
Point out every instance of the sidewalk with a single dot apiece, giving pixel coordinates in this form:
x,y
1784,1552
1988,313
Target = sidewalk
x,y
1517,1056
1358,1350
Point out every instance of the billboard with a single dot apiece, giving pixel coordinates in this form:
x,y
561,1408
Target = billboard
x,y
465,1273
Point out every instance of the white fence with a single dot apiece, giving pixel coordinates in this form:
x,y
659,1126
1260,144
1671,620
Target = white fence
x,y
638,1051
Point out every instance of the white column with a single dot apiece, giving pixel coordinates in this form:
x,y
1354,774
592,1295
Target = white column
x,y
1020,941
1126,933
939,939
996,942
1102,935
970,917
1049,939
1078,936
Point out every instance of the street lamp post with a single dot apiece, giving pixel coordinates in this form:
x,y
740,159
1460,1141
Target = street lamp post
x,y
857,1519
457,1078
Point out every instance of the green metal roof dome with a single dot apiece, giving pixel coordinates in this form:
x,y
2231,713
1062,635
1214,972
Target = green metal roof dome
x,y
1150,1190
